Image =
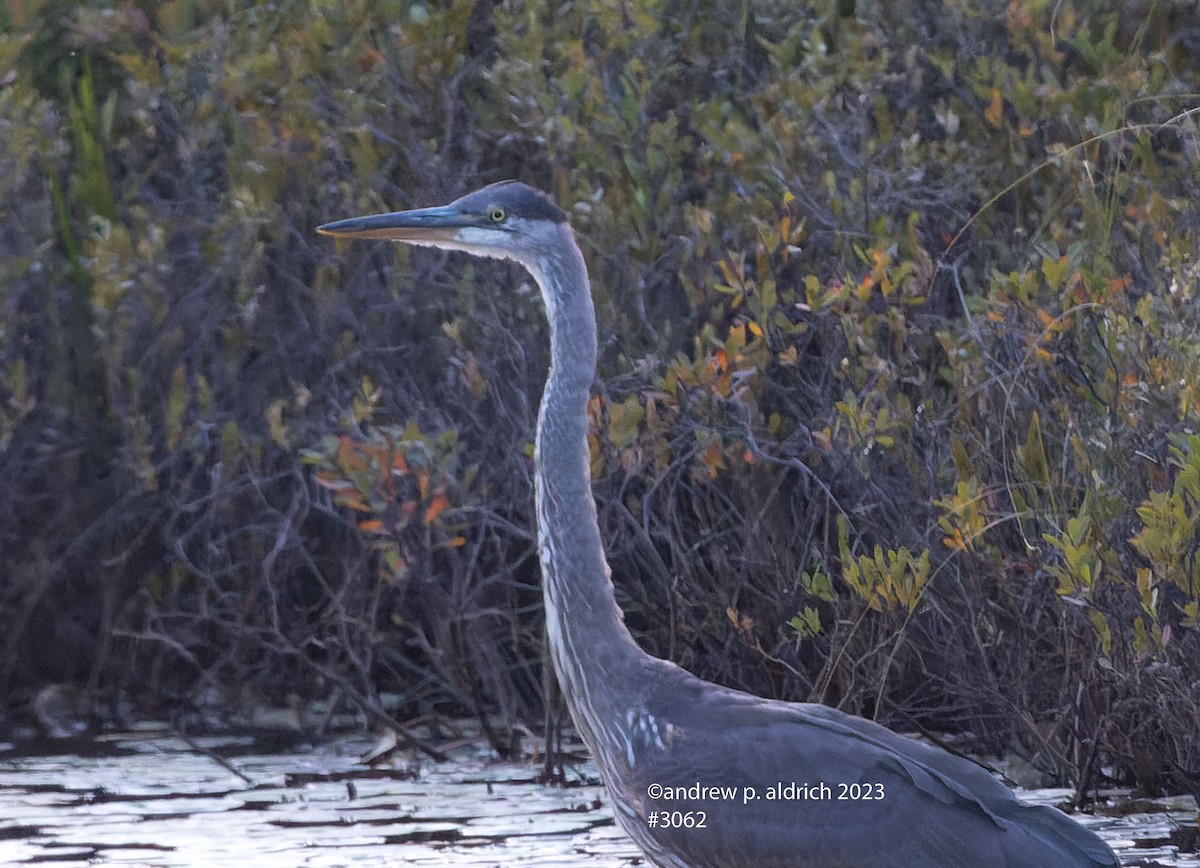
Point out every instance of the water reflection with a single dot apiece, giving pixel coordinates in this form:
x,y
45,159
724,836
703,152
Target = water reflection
x,y
156,801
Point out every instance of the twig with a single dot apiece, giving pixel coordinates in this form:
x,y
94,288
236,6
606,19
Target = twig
x,y
215,757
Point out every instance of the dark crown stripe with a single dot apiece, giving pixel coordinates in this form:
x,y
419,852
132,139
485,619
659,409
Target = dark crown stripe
x,y
519,200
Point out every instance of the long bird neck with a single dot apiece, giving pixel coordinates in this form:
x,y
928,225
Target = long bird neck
x,y
589,642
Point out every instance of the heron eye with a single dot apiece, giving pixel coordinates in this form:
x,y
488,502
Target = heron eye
x,y
497,214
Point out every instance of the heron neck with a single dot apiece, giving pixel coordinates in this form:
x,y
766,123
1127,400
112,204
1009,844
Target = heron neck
x,y
586,628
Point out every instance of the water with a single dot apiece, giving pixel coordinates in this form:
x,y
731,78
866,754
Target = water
x,y
155,800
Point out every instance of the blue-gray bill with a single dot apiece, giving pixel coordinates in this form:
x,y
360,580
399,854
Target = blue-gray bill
x,y
424,224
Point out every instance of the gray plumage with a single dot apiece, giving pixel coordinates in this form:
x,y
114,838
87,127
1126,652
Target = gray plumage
x,y
648,722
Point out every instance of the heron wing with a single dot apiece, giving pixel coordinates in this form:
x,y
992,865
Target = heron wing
x,y
803,784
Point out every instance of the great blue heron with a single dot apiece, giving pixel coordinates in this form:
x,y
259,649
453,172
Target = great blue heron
x,y
699,774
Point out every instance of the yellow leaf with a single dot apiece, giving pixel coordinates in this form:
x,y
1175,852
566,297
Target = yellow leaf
x,y
732,278
770,295
1055,271
735,343
624,422
744,624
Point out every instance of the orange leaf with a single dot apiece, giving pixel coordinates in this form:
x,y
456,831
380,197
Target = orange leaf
x,y
353,500
714,459
325,479
866,286
1119,284
368,58
377,451
347,454
436,508
370,525
955,541
995,110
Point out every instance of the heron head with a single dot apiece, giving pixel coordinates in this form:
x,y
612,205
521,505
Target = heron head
x,y
508,220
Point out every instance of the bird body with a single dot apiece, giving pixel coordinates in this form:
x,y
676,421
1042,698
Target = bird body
x,y
799,784
741,780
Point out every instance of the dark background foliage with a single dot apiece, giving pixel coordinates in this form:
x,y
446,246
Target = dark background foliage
x,y
897,401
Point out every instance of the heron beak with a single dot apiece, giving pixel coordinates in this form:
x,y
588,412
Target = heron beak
x,y
440,224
